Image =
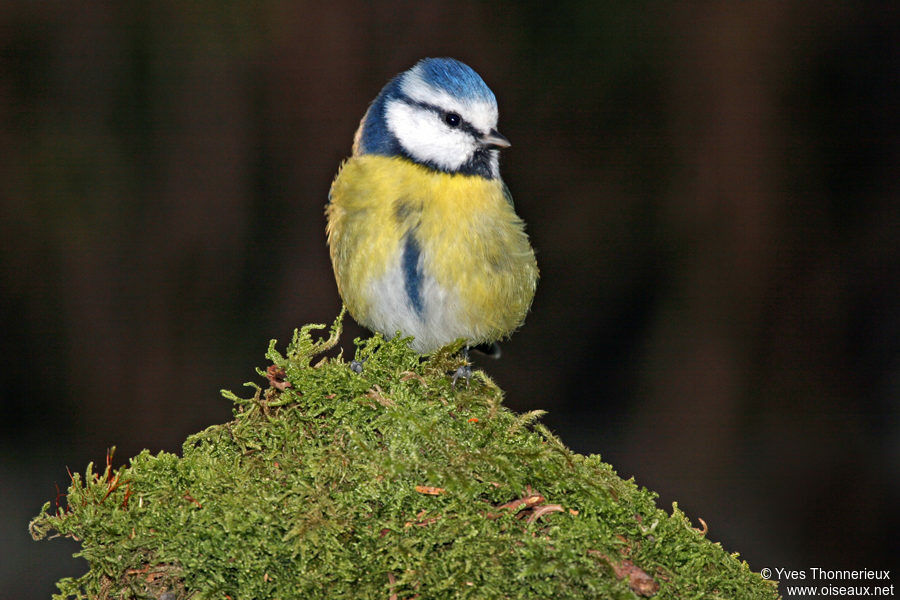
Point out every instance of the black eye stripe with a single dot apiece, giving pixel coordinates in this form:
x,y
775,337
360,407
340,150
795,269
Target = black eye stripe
x,y
463,124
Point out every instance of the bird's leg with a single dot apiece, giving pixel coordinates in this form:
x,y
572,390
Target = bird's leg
x,y
465,370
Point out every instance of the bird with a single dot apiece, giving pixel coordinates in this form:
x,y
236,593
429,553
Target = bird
x,y
422,233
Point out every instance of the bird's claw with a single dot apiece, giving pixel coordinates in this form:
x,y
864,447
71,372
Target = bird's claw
x,y
357,366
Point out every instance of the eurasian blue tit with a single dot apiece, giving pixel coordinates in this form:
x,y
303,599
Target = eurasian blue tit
x,y
423,235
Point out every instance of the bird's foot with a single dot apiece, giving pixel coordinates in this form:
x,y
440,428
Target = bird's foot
x,y
465,372
357,365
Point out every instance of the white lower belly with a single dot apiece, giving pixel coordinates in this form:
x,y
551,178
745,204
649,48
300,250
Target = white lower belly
x,y
437,323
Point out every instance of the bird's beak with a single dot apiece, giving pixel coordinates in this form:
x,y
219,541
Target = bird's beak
x,y
493,139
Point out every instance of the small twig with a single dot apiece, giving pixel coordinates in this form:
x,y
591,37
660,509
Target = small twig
x,y
276,376
638,580
407,375
705,527
188,497
540,511
522,503
392,581
422,522
377,394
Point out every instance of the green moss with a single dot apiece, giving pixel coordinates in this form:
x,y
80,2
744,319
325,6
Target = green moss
x,y
384,484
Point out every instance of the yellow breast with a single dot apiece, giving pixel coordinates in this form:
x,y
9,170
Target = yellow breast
x,y
429,254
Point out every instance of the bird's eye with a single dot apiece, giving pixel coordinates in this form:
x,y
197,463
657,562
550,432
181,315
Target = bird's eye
x,y
452,119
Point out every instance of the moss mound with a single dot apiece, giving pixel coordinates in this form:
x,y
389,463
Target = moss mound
x,y
385,484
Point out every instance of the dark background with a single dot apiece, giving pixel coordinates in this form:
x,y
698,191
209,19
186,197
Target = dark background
x,y
711,189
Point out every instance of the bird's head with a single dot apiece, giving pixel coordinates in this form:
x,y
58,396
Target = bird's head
x,y
439,114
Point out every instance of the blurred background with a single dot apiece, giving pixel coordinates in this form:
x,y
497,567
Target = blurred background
x,y
711,189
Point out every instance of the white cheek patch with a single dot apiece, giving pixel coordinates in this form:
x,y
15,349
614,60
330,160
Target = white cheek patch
x,y
426,138
482,115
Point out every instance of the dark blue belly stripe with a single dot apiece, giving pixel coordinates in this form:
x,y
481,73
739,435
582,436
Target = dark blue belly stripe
x,y
412,275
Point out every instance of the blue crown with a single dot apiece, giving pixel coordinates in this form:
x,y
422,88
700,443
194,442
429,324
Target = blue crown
x,y
454,77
